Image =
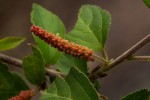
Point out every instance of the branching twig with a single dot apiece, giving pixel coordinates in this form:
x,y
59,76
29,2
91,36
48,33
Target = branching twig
x,y
18,63
126,54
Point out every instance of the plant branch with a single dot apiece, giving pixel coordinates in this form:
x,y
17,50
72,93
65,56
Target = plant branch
x,y
36,90
50,71
99,58
10,60
126,54
18,63
139,58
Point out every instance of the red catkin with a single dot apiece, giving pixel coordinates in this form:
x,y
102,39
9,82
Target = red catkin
x,y
23,95
63,45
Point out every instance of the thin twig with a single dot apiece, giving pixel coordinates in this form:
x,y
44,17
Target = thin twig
x,y
50,71
99,58
18,63
11,60
104,54
126,54
36,90
139,58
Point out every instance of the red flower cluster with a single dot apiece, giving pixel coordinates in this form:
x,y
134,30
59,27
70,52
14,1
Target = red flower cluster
x,y
23,95
63,45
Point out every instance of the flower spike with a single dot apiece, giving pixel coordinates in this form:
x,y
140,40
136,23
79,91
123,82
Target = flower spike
x,y
23,95
63,45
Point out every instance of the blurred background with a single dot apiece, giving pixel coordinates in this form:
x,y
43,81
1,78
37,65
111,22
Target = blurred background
x,y
130,23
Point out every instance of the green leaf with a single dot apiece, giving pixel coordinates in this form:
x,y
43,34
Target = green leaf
x,y
47,96
21,85
80,86
3,66
59,90
91,28
106,22
147,2
51,23
60,87
10,42
142,94
33,66
67,61
76,86
96,85
10,84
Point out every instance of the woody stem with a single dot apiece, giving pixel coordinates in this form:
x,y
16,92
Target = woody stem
x,y
18,63
126,54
